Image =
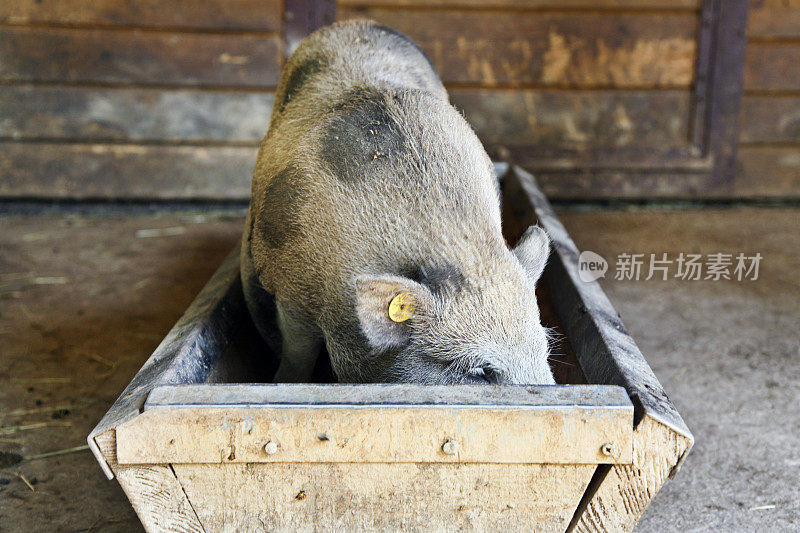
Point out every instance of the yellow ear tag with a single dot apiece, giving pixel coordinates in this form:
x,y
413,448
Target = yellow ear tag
x,y
402,306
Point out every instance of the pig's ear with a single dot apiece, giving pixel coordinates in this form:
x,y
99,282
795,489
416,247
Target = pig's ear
x,y
387,306
532,250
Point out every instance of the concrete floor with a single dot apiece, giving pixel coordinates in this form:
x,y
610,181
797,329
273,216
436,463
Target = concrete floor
x,y
84,300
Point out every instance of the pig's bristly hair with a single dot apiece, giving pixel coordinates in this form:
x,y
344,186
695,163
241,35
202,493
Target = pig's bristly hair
x,y
367,170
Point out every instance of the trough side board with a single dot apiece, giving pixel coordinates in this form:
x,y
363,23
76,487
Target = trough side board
x,y
189,352
608,355
380,423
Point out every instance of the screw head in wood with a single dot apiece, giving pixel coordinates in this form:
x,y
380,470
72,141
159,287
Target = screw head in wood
x,y
607,449
450,447
271,448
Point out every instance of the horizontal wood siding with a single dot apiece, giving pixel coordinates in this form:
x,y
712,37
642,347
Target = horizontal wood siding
x,y
133,171
534,4
589,95
770,119
769,171
772,66
254,15
34,112
597,96
570,50
769,152
774,19
578,129
125,57
145,100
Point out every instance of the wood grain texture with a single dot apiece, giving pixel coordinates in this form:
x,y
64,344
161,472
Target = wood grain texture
x,y
389,395
591,160
567,120
106,171
134,57
153,490
772,67
602,184
718,92
376,434
264,15
575,119
119,114
625,492
768,172
582,129
534,4
770,119
549,49
384,497
158,498
774,19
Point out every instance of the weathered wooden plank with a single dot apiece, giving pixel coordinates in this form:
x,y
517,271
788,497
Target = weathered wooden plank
x,y
549,49
591,159
153,490
264,15
158,498
719,87
655,120
774,19
385,394
547,434
768,171
119,114
135,57
626,491
104,171
772,66
602,184
770,119
534,4
384,497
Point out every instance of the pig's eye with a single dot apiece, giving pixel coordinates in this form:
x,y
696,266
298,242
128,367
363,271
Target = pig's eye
x,y
481,375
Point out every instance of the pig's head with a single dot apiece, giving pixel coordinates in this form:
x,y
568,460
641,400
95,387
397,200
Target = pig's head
x,y
441,324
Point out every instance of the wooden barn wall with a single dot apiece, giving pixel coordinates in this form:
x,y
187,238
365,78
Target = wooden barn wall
x,y
168,100
144,100
593,96
769,134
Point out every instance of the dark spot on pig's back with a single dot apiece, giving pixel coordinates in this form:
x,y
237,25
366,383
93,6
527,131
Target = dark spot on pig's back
x,y
299,76
278,220
361,137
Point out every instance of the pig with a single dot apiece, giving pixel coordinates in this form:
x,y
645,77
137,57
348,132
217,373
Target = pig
x,y
374,226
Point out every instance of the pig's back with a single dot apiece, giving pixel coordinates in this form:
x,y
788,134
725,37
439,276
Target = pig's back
x,y
352,54
366,169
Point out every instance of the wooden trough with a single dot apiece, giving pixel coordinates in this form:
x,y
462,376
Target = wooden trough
x,y
200,441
